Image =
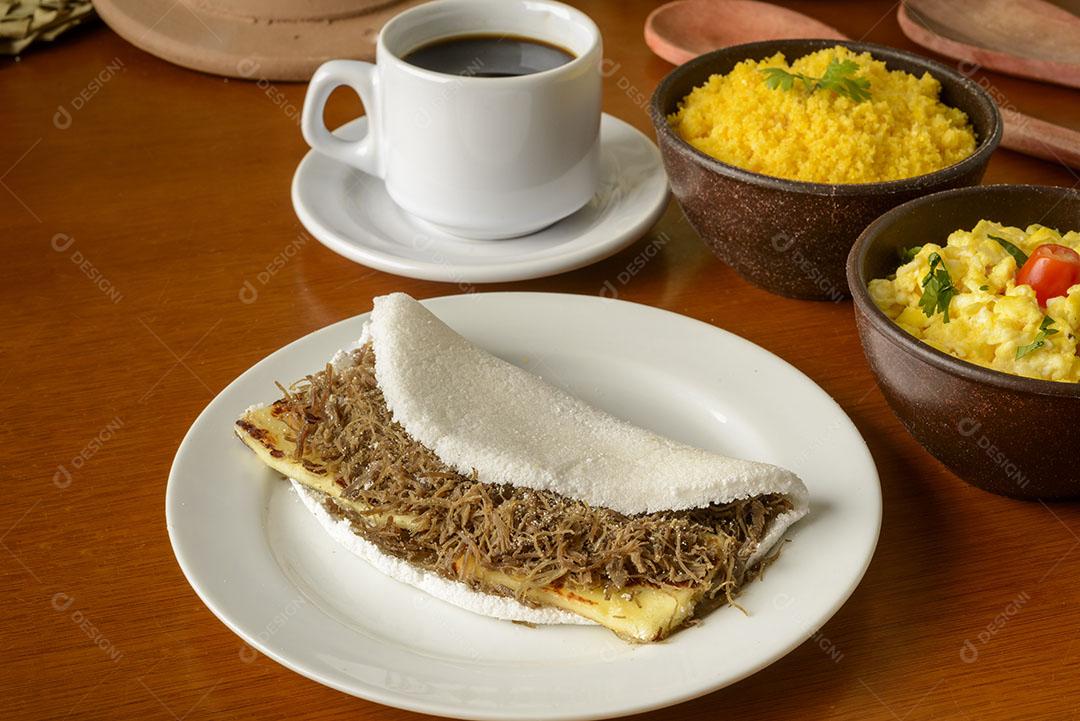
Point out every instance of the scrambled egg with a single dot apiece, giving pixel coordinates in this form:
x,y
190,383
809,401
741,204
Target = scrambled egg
x,y
991,316
903,130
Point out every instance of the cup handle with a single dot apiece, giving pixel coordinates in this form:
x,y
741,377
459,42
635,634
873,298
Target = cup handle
x,y
363,78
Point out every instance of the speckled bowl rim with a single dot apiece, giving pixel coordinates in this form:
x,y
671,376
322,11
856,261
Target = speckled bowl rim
x,y
981,155
925,352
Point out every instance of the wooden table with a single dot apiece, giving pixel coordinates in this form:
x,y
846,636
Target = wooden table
x,y
139,198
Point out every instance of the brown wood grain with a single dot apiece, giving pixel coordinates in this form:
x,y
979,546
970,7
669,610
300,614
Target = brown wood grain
x,y
174,187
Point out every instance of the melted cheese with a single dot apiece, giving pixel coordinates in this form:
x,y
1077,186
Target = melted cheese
x,y
638,613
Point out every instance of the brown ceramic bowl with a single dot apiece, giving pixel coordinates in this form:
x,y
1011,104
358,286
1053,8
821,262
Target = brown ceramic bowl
x,y
1003,433
788,236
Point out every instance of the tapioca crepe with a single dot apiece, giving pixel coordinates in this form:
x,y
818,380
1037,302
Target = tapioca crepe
x,y
480,483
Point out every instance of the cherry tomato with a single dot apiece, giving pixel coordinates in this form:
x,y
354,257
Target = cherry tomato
x,y
1050,270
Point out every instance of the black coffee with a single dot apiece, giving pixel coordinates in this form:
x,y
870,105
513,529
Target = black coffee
x,y
489,56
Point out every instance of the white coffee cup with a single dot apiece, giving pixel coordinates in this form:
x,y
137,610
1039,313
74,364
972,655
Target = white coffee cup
x,y
480,157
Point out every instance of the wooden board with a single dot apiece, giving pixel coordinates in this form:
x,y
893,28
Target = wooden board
x,y
1028,38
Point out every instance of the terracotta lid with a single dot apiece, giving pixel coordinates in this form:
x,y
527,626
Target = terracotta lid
x,y
256,39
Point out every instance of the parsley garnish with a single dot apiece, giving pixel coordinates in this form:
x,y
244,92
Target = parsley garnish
x,y
837,78
1045,331
984,287
1018,255
908,254
938,289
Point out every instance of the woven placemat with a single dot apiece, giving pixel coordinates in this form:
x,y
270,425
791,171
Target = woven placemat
x,y
24,21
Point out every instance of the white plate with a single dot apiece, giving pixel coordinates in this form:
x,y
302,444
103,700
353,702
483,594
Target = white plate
x,y
265,568
351,214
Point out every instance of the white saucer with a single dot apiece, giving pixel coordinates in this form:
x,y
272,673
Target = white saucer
x,y
351,214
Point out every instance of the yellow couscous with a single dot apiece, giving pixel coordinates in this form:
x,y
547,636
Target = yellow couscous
x,y
993,321
822,136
